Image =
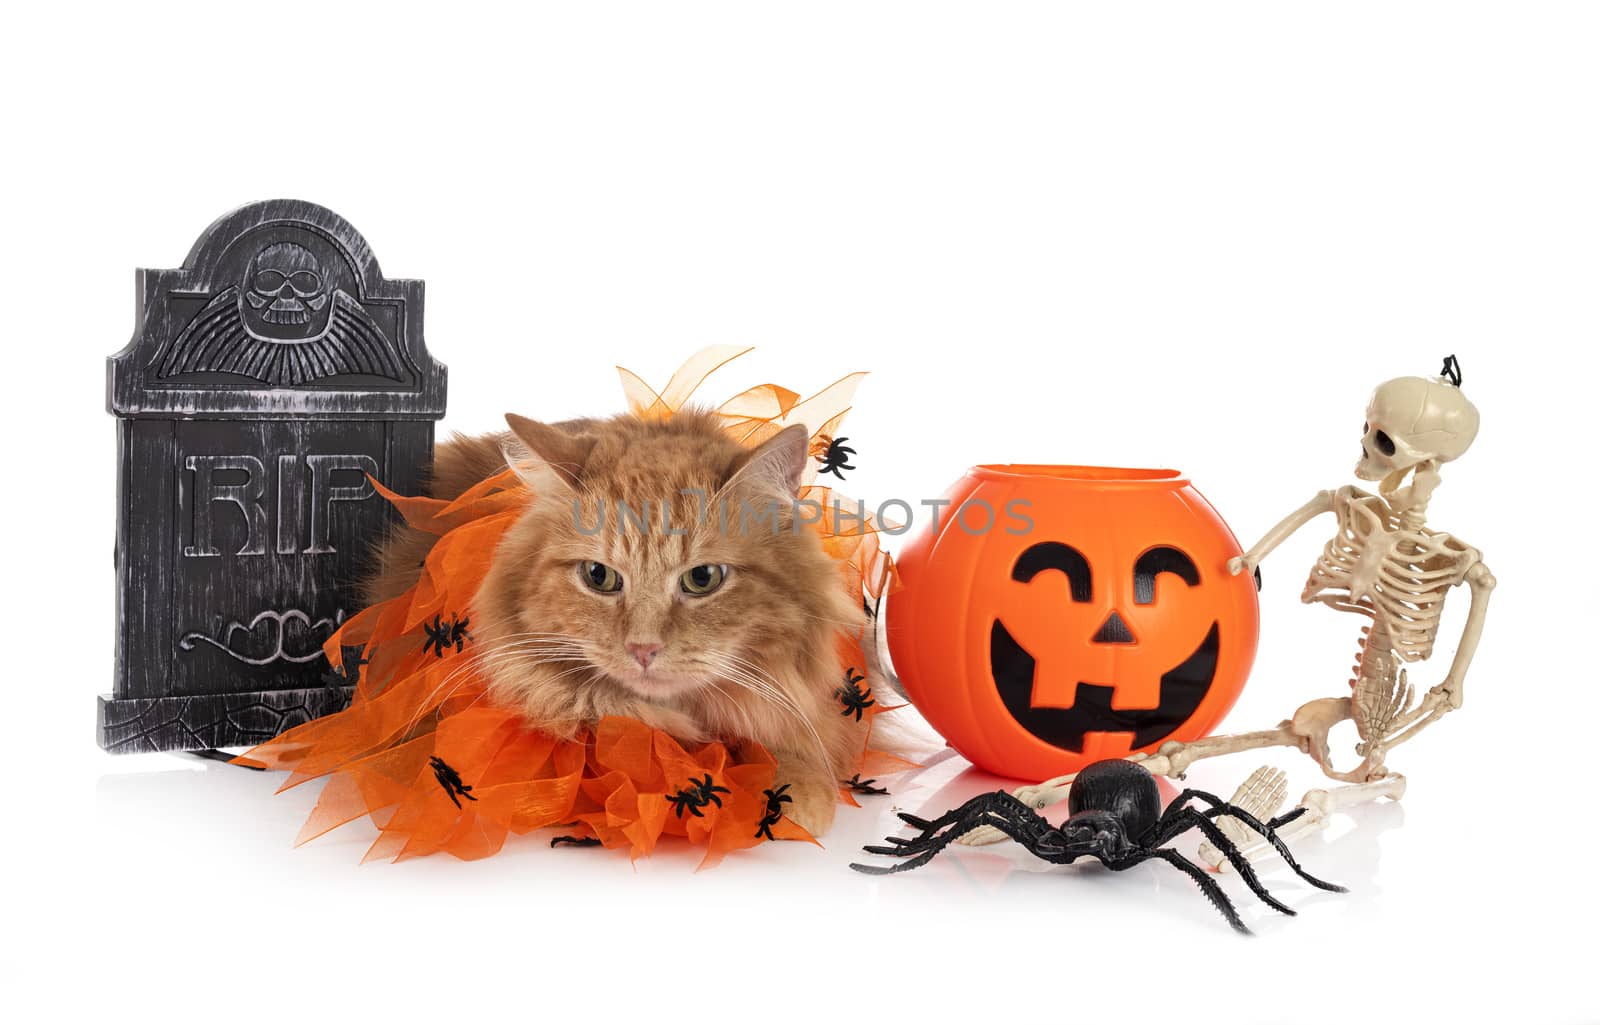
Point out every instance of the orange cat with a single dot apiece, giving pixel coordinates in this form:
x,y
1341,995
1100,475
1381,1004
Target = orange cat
x,y
658,575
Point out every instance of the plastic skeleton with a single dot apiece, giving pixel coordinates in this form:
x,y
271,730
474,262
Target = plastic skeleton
x,y
1384,564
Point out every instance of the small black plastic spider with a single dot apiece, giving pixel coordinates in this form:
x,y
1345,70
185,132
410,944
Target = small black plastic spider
x,y
698,794
834,459
855,698
1114,816
776,799
347,675
863,786
450,779
442,635
574,841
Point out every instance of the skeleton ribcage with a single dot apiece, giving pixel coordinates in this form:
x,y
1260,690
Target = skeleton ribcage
x,y
1393,573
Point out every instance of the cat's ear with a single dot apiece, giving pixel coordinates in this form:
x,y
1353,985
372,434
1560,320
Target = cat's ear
x,y
562,451
777,463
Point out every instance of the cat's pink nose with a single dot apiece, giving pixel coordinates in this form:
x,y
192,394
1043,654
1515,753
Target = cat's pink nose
x,y
644,654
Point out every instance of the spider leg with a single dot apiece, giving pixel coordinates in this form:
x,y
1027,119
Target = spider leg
x,y
1269,832
1201,877
924,852
998,801
999,810
1184,799
1230,850
978,810
1287,817
1219,808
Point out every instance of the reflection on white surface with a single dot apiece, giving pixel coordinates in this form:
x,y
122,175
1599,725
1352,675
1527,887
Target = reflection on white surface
x,y
946,781
168,850
179,809
194,859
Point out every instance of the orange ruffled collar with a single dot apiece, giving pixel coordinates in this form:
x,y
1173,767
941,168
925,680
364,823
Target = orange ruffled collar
x,y
437,766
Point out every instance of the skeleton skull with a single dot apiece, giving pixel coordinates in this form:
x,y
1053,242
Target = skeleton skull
x,y
284,285
1413,420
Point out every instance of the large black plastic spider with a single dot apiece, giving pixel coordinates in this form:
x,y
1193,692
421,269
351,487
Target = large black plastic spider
x,y
698,794
1114,816
836,458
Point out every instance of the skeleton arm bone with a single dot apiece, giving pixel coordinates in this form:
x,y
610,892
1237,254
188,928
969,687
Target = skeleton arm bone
x,y
1246,563
1481,582
1447,696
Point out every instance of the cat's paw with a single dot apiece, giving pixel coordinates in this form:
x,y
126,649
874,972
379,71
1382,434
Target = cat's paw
x,y
812,804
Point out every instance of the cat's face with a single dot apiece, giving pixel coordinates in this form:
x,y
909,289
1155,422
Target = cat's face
x,y
659,564
663,600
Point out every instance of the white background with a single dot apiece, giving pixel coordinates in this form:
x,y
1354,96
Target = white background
x,y
1191,235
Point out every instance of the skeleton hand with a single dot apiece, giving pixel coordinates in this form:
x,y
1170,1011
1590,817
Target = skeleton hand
x,y
1262,794
1449,691
1242,564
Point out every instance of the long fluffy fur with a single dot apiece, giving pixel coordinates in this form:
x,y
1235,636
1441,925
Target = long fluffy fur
x,y
754,661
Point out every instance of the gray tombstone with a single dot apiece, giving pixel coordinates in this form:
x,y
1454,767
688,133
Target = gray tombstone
x,y
265,380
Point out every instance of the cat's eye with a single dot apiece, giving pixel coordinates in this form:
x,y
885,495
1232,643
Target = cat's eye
x,y
702,580
600,577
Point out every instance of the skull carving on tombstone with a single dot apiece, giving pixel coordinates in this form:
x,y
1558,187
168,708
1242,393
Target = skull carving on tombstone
x,y
284,287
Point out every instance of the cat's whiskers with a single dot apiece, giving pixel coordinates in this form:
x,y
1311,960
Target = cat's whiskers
x,y
484,693
523,661
581,667
734,708
819,750
761,675
757,680
528,649
759,671
430,705
743,673
774,695
732,676
847,625
556,652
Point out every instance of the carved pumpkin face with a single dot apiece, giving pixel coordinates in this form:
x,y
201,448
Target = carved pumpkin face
x,y
1109,625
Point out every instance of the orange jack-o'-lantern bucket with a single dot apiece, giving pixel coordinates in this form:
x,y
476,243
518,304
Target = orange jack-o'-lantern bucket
x,y
1056,615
